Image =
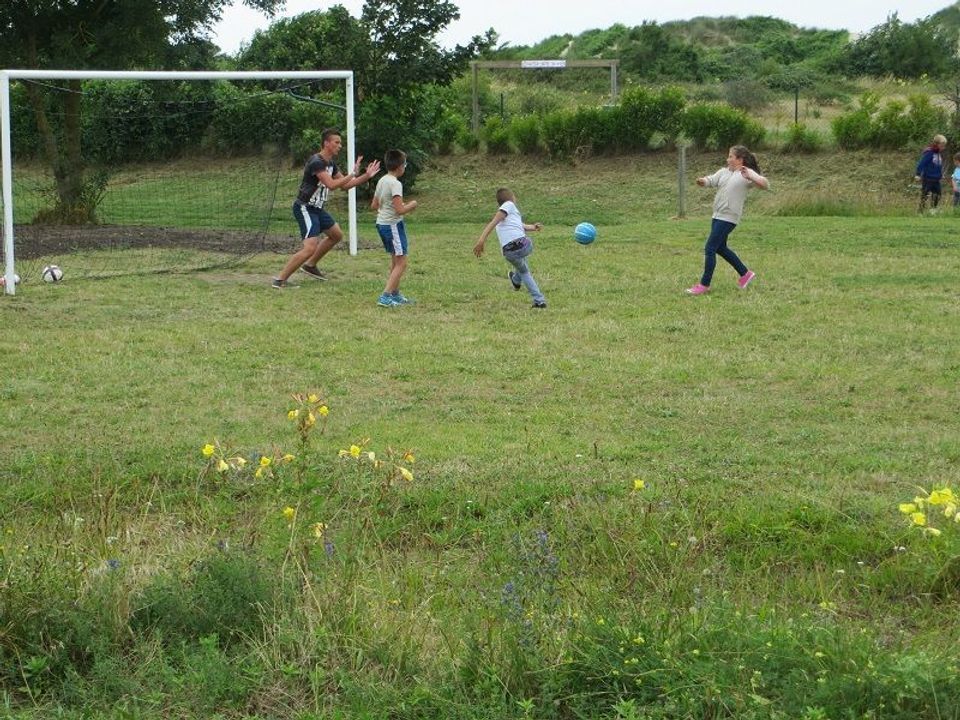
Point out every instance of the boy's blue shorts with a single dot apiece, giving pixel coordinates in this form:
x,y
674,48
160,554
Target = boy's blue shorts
x,y
394,238
313,221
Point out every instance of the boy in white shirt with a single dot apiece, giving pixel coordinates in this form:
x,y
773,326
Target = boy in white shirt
x,y
514,243
390,207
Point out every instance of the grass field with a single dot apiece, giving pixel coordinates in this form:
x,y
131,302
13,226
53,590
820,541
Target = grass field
x,y
761,569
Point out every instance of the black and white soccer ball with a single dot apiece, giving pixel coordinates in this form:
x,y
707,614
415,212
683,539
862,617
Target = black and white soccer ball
x,y
51,274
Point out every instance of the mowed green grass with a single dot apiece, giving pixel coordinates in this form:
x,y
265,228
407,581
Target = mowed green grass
x,y
776,429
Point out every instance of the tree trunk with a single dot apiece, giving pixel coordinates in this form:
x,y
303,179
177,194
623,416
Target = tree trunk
x,y
67,171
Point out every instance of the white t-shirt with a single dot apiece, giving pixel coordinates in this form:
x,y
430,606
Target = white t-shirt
x,y
388,187
511,227
731,194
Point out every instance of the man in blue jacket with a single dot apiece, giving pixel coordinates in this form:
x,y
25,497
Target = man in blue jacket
x,y
930,172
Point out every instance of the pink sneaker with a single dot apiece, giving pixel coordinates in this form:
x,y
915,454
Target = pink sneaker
x,y
698,289
746,279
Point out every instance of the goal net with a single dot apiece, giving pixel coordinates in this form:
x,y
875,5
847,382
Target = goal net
x,y
113,173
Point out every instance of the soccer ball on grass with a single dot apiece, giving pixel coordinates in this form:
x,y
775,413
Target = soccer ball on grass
x,y
51,274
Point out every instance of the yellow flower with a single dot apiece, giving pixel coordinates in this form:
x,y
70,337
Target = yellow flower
x,y
406,474
918,518
639,484
311,420
222,466
372,456
259,473
601,621
355,451
908,508
318,529
312,398
950,510
941,497
409,458
289,513
240,462
323,410
264,461
208,450
932,531
288,458
638,640
293,414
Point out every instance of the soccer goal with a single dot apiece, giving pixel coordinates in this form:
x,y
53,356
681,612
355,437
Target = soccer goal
x,y
111,172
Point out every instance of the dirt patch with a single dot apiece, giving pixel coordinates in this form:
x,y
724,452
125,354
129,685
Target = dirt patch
x,y
35,241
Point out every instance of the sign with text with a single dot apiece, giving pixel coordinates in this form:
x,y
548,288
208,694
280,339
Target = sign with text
x,y
543,63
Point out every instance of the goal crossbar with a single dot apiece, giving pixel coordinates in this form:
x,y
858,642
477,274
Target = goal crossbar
x,y
6,76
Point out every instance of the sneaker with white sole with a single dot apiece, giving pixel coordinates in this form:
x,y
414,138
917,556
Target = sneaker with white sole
x,y
278,284
746,279
401,299
386,300
699,289
313,272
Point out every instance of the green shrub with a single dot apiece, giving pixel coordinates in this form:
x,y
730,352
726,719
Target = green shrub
x,y
747,94
713,126
895,126
801,138
447,131
642,114
524,132
555,133
496,135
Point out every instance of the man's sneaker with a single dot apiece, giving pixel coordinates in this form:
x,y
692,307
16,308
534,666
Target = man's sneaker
x,y
539,306
386,300
279,284
514,280
746,279
401,299
698,289
313,272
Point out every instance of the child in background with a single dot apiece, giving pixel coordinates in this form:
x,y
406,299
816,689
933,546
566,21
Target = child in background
x,y
955,179
930,172
514,244
732,182
390,207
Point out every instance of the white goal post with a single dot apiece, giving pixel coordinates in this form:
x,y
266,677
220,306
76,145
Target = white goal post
x,y
5,129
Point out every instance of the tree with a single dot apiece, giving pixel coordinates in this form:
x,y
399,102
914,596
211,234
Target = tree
x,y
902,50
109,34
396,60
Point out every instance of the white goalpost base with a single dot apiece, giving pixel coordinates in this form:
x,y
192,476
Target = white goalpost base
x,y
6,76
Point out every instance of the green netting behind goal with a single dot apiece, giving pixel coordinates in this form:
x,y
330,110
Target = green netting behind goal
x,y
167,176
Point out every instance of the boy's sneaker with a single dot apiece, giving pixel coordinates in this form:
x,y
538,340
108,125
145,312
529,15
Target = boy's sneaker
x,y
386,300
746,279
313,272
539,306
514,280
699,289
401,299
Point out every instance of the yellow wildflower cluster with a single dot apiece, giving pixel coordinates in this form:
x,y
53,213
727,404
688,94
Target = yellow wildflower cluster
x,y
395,470
222,460
308,409
926,507
290,515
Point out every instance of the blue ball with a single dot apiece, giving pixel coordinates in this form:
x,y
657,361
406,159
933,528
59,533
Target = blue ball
x,y
585,233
